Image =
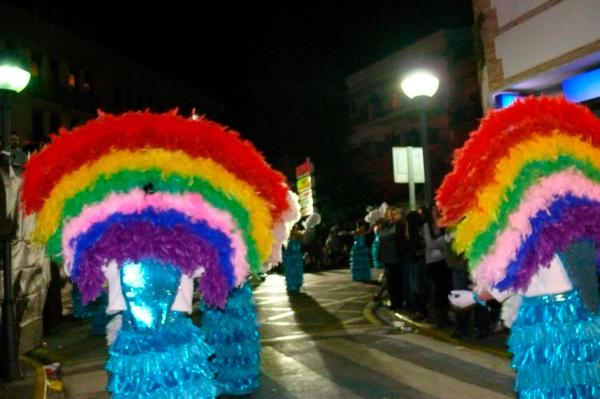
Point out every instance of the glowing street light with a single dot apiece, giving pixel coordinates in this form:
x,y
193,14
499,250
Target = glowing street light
x,y
14,77
419,86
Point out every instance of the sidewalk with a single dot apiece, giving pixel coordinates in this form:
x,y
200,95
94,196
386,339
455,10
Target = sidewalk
x,y
495,343
32,385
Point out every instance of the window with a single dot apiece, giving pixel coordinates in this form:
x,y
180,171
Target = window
x,y
54,72
87,82
36,64
37,124
72,78
54,122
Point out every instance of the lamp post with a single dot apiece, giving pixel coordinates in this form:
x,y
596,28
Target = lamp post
x,y
419,86
14,77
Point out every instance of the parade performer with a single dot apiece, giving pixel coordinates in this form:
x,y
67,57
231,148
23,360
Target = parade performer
x,y
146,203
293,262
375,217
360,262
525,196
233,335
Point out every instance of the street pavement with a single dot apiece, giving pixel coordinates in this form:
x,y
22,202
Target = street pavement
x,y
328,341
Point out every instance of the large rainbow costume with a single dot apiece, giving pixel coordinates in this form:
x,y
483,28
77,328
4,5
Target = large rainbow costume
x,y
146,203
525,196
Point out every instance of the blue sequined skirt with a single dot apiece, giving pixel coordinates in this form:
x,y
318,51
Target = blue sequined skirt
x,y
293,268
166,364
375,253
556,345
233,334
360,263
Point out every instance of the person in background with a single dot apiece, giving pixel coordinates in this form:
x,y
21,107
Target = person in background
x,y
392,242
18,157
438,273
360,262
415,266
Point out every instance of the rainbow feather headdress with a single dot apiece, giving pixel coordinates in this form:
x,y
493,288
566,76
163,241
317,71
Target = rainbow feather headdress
x,y
524,186
185,192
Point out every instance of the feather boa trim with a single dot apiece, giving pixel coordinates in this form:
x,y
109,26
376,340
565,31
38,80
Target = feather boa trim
x,y
474,165
125,181
138,131
530,174
569,220
507,171
539,198
168,237
168,162
192,206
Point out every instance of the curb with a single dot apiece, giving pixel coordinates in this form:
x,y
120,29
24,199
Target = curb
x,y
41,381
371,313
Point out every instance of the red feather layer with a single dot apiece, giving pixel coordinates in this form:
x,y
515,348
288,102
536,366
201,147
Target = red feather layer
x,y
69,151
474,164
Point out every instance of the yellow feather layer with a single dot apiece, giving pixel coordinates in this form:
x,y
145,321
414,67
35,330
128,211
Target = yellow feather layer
x,y
478,219
170,162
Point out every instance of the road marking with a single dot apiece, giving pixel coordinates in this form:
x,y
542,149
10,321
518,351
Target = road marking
x,y
299,380
322,304
495,363
406,373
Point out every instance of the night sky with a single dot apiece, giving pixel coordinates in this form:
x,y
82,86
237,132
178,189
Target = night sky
x,y
278,70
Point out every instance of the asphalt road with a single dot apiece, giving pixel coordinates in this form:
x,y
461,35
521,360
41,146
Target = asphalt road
x,y
322,343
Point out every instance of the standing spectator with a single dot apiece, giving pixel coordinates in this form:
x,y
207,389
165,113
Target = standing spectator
x,y
438,273
392,241
460,281
18,157
360,262
415,265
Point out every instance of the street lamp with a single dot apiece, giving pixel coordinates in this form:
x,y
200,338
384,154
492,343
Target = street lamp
x,y
14,77
419,86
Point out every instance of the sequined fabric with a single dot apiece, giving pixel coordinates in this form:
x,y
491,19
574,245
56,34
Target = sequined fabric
x,y
158,353
556,345
233,334
360,264
293,266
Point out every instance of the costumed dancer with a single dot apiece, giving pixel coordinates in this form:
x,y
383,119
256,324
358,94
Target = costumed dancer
x,y
360,263
376,217
293,262
147,203
233,335
525,195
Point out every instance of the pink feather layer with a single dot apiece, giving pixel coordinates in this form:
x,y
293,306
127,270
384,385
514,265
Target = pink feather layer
x,y
492,267
191,204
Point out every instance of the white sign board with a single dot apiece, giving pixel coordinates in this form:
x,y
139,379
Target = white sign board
x,y
408,160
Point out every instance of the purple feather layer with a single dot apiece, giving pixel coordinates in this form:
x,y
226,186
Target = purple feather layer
x,y
575,223
171,245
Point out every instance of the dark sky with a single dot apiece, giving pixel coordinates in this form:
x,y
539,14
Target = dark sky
x,y
279,69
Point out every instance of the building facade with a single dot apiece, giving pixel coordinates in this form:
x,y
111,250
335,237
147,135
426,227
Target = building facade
x,y
383,117
538,47
72,78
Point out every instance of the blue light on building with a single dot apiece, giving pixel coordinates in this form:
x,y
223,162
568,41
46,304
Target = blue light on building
x,y
503,100
583,87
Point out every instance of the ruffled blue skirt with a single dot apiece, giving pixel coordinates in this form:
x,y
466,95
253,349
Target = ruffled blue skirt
x,y
233,335
556,345
360,264
293,267
375,253
171,363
